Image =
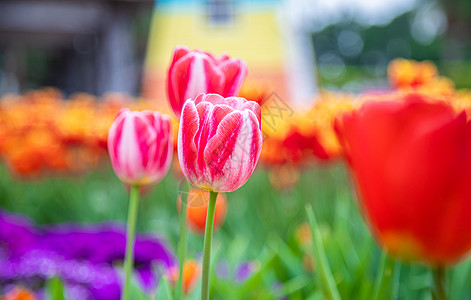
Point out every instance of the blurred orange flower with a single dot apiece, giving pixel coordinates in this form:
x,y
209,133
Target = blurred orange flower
x,y
197,209
423,77
191,275
19,293
41,132
306,134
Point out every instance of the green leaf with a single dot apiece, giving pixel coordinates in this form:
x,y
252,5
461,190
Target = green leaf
x,y
387,278
322,265
285,254
164,291
55,289
136,292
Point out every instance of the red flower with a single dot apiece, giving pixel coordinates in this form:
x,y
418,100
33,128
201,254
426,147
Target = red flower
x,y
195,72
411,162
219,141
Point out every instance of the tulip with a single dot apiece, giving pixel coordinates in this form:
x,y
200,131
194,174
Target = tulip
x,y
411,162
197,209
219,143
195,72
140,147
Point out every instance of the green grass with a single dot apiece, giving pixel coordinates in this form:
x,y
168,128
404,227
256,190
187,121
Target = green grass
x,y
260,227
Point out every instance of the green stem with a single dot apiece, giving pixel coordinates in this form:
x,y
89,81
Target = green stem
x,y
439,278
208,235
131,231
182,244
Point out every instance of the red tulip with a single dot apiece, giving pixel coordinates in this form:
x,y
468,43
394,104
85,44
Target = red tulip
x,y
195,72
219,141
140,146
411,162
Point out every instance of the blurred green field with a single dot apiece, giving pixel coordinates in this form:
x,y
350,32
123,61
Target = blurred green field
x,y
260,227
353,77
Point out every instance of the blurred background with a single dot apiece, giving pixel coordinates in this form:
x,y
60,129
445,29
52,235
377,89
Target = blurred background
x,y
101,46
68,66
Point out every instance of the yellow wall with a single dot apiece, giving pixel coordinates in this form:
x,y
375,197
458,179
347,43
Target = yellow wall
x,y
253,36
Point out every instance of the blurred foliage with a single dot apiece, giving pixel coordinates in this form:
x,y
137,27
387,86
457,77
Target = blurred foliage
x,y
262,226
460,8
353,53
458,71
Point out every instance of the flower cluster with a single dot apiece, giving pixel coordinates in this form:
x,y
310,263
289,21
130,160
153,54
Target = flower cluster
x,y
295,140
305,135
422,77
71,135
42,132
84,258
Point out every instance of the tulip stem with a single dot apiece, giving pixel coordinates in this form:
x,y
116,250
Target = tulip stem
x,y
439,278
182,244
130,234
208,235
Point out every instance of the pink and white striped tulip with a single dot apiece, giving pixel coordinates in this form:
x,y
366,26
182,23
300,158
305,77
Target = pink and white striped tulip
x,y
195,72
140,146
219,141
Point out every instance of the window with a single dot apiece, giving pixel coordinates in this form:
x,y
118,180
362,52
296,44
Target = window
x,y
220,12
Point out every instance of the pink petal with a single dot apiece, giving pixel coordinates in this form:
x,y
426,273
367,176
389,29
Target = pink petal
x,y
235,71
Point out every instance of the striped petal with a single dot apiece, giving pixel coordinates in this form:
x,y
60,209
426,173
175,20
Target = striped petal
x,y
219,141
195,72
140,146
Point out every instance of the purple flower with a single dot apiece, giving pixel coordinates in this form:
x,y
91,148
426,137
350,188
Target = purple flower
x,y
245,270
17,235
85,258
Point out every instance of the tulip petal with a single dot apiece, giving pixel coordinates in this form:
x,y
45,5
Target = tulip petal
x,y
410,160
194,72
429,181
235,71
187,153
191,75
237,103
136,141
232,153
219,141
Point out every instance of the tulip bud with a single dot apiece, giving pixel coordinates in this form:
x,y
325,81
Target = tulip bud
x,y
219,141
140,146
195,72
